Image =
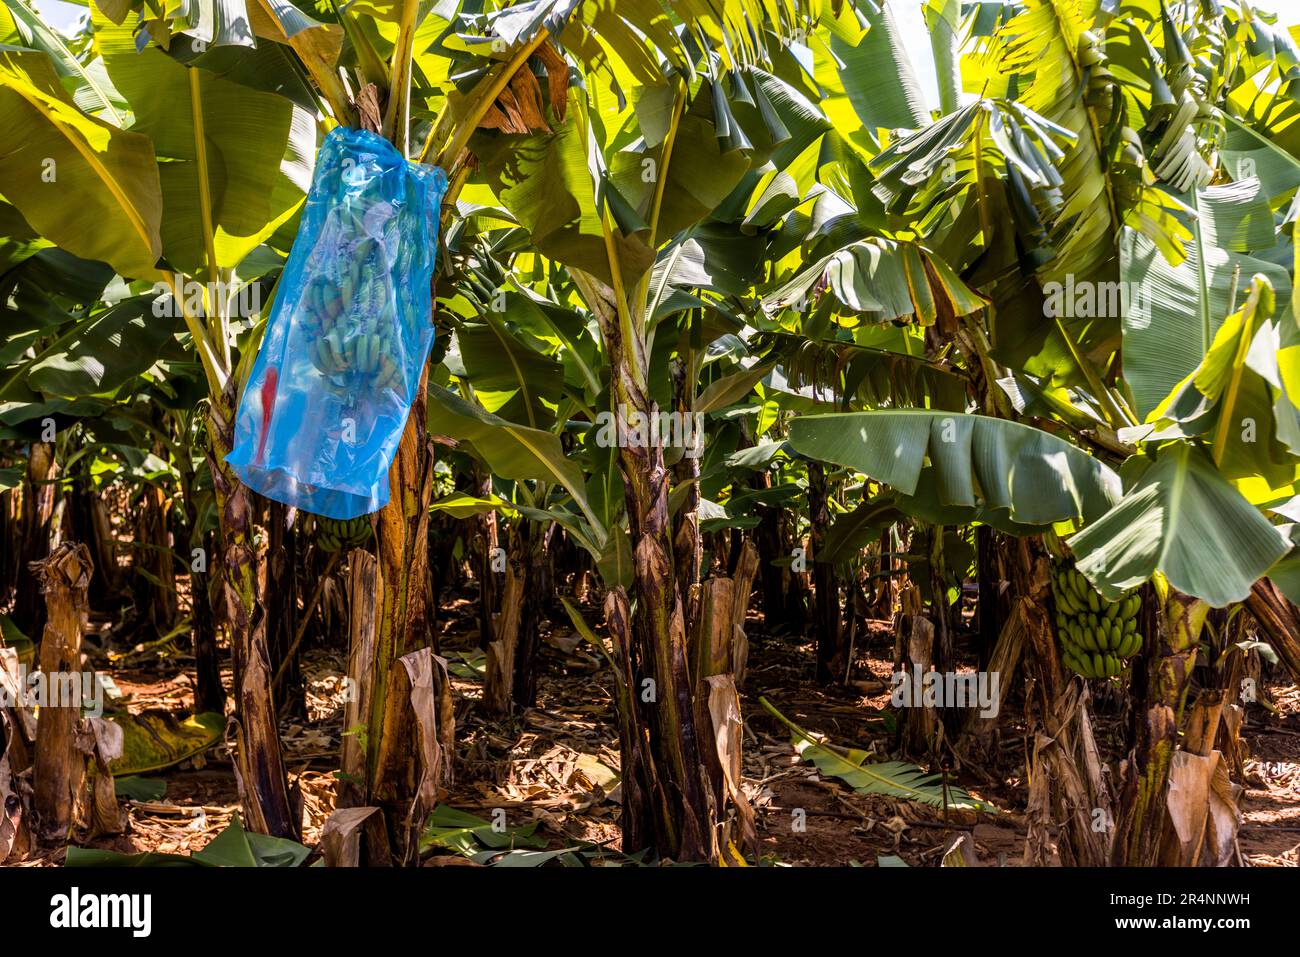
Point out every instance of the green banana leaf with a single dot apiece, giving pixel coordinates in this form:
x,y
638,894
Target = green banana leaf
x,y
849,533
700,174
21,25
875,375
467,834
547,183
730,388
943,17
897,779
233,847
871,70
106,352
15,639
1172,319
497,359
1038,478
511,451
105,200
248,171
1185,520
136,788
461,505
886,281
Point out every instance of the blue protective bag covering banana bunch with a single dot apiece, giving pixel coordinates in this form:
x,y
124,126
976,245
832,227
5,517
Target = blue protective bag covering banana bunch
x,y
327,400
1097,636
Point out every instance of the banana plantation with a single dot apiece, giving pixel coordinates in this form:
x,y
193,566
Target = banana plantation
x,y
650,432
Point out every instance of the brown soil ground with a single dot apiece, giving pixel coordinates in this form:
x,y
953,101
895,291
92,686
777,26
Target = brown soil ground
x,y
556,764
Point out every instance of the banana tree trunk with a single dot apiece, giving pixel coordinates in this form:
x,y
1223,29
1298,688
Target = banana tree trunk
x,y
282,608
58,776
941,613
393,638
155,570
688,548
402,527
535,594
85,520
767,537
263,785
399,717
209,693
12,529
883,605
914,655
1146,772
38,507
511,678
487,541
670,807
1279,621
826,596
1070,808
989,603
507,626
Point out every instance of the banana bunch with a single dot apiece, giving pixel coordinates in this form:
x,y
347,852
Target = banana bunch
x,y
333,535
1097,636
350,345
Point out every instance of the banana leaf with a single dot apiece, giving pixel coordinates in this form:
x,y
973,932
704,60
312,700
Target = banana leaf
x,y
1184,519
897,779
105,201
13,638
156,740
233,847
1037,477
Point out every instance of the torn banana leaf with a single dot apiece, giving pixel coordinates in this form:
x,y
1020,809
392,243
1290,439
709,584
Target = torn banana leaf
x,y
897,779
156,740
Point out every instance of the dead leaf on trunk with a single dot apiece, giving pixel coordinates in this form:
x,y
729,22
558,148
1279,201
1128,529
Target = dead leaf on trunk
x,y
557,78
728,739
418,687
519,107
11,803
102,742
1203,816
354,836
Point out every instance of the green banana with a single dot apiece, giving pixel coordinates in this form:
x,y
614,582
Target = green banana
x,y
333,342
1097,636
333,535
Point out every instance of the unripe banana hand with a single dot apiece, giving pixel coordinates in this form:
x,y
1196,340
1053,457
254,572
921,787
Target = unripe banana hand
x,y
348,318
1097,636
333,535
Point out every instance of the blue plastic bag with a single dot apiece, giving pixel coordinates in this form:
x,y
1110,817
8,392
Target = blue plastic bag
x,y
350,331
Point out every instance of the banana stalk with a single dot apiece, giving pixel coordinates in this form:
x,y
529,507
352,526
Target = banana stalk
x,y
1140,828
